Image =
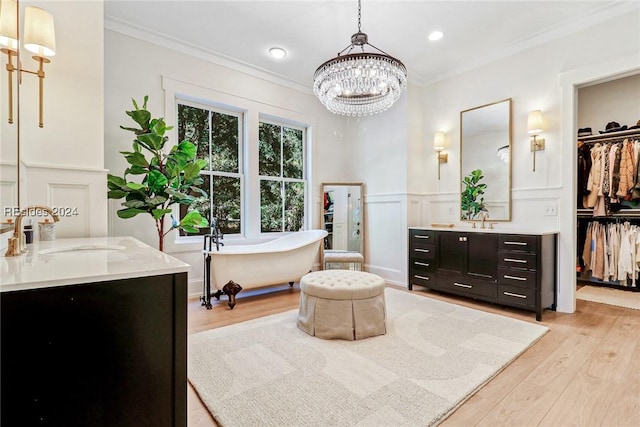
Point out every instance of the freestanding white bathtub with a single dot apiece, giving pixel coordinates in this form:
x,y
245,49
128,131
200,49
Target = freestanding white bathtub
x,y
282,260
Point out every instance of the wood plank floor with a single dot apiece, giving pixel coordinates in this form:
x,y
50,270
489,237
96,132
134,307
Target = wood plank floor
x,y
584,372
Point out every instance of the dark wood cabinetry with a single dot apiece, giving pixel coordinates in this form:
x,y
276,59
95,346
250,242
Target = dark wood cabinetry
x,y
515,270
98,354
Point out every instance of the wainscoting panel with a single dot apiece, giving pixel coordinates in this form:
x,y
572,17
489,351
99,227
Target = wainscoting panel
x,y
528,207
386,236
71,200
79,196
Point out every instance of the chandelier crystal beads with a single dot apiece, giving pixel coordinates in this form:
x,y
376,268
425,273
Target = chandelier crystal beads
x,y
359,84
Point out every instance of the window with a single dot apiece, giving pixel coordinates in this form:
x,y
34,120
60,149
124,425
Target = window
x,y
282,177
217,134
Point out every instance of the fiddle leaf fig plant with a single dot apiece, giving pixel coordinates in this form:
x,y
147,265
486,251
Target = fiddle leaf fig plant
x,y
163,178
472,201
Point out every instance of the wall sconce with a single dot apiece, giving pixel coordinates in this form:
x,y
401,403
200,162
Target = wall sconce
x,y
534,127
39,38
439,145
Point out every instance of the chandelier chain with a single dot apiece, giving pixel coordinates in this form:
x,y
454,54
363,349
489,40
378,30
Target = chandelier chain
x,y
359,16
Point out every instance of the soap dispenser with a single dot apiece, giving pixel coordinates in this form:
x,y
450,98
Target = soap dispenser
x,y
28,231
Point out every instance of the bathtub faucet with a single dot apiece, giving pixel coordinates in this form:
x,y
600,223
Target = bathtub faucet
x,y
217,234
214,236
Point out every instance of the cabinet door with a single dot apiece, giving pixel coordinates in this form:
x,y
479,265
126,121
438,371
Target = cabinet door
x,y
452,252
104,354
482,250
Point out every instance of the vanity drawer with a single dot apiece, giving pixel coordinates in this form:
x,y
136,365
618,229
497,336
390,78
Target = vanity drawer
x,y
466,286
517,260
427,236
422,278
519,278
516,296
423,250
420,264
517,242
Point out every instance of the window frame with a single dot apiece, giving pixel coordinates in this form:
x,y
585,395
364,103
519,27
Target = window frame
x,y
212,107
255,108
283,123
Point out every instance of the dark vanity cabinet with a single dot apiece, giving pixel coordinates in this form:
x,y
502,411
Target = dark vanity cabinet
x,y
103,354
509,269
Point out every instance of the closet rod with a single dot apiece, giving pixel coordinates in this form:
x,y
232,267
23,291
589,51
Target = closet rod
x,y
609,136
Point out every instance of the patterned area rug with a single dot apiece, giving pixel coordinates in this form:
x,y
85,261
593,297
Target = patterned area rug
x,y
435,355
610,296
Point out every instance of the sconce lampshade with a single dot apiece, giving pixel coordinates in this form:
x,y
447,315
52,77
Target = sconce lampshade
x,y
534,122
39,35
438,141
9,24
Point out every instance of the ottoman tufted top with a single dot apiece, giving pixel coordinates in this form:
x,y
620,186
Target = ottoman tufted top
x,y
342,284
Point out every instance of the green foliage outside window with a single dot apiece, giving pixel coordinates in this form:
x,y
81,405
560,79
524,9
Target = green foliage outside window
x,y
217,138
282,187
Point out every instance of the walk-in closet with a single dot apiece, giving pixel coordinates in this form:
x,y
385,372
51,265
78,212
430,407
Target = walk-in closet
x,y
608,184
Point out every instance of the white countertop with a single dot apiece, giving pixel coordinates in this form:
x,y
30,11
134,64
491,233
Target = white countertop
x,y
84,260
470,229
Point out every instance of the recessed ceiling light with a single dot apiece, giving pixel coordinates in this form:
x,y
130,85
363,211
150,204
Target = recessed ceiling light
x,y
277,52
436,35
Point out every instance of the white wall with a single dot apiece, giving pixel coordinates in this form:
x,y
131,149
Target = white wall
x,y
135,68
378,149
613,101
532,79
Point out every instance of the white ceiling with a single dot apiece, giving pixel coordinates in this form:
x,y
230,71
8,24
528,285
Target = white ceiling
x,y
239,33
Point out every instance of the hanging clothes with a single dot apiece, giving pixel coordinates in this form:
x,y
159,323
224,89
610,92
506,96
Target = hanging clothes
x,y
612,252
584,167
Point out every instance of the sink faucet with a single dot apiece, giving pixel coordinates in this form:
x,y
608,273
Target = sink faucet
x,y
15,244
484,215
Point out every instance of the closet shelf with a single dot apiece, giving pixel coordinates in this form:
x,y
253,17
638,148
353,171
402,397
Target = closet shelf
x,y
623,213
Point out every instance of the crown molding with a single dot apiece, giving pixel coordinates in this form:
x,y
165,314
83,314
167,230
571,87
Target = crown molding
x,y
563,29
129,29
546,35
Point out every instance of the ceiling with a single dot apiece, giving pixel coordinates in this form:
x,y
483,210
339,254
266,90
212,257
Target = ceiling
x,y
239,33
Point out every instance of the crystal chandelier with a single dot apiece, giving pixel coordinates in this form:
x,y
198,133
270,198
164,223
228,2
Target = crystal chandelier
x,y
362,83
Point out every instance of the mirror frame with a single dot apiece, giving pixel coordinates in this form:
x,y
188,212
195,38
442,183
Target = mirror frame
x,y
16,113
510,143
322,220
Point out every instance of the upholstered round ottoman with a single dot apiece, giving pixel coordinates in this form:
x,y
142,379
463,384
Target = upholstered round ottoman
x,y
343,304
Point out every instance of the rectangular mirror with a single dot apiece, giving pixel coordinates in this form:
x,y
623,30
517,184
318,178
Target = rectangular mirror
x,y
342,217
485,162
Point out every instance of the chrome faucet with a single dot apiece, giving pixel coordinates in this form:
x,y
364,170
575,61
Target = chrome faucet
x,y
16,245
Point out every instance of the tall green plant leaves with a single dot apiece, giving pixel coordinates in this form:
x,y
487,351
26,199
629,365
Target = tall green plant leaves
x,y
163,179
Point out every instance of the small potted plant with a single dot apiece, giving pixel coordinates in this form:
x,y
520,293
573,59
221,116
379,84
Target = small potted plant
x,y
164,177
472,200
